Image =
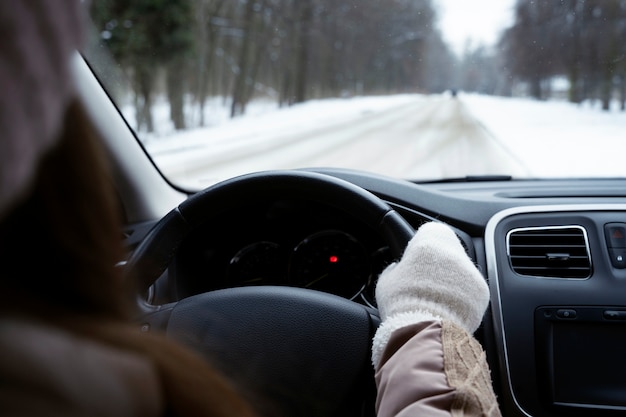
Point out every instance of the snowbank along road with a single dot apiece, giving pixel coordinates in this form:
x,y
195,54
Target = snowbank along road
x,y
427,137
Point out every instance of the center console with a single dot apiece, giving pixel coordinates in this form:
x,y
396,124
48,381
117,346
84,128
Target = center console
x,y
558,282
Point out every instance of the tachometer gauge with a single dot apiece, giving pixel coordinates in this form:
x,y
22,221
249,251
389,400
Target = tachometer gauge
x,y
331,261
381,258
261,263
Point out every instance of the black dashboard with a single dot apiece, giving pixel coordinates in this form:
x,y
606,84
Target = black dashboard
x,y
553,252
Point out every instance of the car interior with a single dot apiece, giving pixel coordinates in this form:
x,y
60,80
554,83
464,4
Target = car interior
x,y
271,273
552,251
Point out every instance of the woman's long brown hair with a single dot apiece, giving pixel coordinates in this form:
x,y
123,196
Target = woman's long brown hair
x,y
58,249
60,245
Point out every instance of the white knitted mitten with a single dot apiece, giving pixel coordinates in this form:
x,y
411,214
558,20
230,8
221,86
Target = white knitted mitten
x,y
435,279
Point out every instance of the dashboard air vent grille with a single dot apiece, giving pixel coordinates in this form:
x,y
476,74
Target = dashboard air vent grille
x,y
556,252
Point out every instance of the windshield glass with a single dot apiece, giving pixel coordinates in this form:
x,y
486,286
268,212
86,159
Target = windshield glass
x,y
415,89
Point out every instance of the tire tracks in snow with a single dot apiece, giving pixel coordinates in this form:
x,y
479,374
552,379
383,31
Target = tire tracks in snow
x,y
430,137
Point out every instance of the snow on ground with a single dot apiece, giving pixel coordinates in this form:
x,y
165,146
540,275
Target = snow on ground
x,y
556,139
551,139
262,116
264,127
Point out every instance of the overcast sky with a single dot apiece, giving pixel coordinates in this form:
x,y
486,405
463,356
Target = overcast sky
x,y
479,20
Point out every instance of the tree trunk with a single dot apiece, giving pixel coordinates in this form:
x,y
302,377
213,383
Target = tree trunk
x,y
238,104
206,46
574,93
305,16
535,88
143,80
176,93
622,92
607,89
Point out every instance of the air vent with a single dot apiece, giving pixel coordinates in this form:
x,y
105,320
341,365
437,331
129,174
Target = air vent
x,y
556,252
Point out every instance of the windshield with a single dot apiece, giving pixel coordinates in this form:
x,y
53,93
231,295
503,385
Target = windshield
x,y
415,89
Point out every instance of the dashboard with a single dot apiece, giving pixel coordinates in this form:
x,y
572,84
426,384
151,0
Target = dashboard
x,y
554,343
552,251
554,255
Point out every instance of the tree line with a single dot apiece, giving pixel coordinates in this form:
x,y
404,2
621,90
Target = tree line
x,y
583,41
291,50
296,50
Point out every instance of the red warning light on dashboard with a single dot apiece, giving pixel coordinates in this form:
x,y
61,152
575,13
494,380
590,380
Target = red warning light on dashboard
x,y
615,235
333,259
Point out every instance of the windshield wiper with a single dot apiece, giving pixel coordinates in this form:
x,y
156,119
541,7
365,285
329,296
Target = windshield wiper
x,y
468,178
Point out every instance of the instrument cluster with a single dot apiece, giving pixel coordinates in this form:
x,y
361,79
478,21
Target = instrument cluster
x,y
288,243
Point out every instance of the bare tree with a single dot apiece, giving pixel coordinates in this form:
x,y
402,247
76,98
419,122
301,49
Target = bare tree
x,y
582,40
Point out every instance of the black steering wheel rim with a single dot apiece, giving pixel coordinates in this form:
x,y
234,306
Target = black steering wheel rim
x,y
153,255
310,350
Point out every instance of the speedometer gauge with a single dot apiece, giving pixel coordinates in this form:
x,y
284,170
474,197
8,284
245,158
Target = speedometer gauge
x,y
260,263
331,261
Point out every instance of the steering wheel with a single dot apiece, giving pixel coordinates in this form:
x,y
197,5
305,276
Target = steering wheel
x,y
299,352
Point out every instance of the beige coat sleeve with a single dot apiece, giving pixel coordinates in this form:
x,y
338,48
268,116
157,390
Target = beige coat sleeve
x,y
434,368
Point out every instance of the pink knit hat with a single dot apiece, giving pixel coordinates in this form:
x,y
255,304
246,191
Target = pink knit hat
x,y
37,40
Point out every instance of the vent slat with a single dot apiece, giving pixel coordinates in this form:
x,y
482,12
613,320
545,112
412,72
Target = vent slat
x,y
550,252
543,268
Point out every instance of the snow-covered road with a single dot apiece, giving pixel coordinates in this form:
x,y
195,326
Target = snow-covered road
x,y
433,137
421,137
